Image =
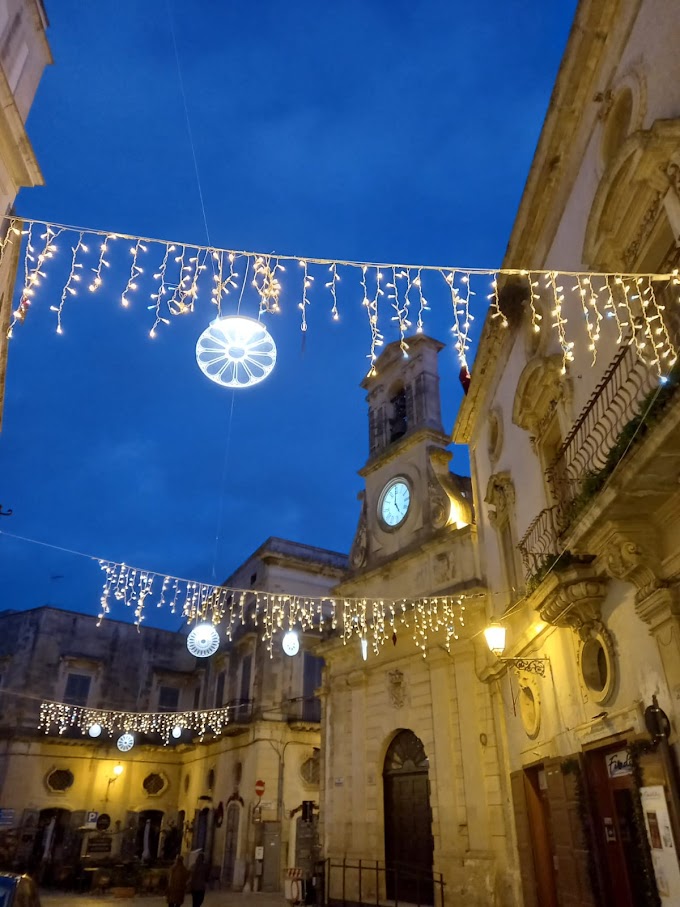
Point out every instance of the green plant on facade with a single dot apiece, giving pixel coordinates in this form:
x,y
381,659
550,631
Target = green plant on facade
x,y
651,411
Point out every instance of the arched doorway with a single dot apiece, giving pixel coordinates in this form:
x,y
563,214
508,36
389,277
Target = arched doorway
x,y
409,846
231,824
148,834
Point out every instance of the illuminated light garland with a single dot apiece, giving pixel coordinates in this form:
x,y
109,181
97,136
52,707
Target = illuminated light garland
x,y
278,613
63,716
173,276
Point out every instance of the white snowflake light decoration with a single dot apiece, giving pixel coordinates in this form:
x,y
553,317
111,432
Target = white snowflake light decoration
x,y
236,351
203,641
125,742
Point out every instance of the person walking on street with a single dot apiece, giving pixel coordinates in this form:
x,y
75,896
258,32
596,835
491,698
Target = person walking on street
x,y
177,883
199,881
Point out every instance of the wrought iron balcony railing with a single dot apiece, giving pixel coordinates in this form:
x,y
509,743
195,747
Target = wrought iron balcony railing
x,y
540,543
589,452
241,710
616,400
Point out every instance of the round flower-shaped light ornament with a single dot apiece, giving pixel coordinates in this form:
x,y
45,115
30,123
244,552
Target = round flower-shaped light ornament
x,y
203,641
125,742
236,351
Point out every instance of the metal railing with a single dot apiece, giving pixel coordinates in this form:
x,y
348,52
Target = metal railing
x,y
241,710
303,708
541,540
616,400
355,882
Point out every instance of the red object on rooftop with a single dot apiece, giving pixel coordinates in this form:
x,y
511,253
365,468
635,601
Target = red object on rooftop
x,y
464,377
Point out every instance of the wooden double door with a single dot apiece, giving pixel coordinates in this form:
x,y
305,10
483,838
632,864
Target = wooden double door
x,y
409,845
578,839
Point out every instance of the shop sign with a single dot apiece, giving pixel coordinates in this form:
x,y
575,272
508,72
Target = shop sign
x,y
619,763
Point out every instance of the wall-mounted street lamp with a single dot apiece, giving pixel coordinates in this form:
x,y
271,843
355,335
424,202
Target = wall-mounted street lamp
x,y
495,640
117,772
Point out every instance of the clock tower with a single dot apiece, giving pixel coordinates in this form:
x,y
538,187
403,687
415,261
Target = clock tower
x,y
410,496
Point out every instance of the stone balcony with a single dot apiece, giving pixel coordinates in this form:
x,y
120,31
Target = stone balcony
x,y
630,418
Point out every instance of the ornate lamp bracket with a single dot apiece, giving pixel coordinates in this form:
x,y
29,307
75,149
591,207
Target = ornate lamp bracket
x,y
529,665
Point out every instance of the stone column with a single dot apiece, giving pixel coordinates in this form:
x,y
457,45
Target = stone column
x,y
449,819
471,787
355,772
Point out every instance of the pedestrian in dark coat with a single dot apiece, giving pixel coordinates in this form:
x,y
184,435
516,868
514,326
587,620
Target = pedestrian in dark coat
x,y
199,881
177,883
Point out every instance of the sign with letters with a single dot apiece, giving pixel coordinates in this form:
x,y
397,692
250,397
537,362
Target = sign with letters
x,y
664,858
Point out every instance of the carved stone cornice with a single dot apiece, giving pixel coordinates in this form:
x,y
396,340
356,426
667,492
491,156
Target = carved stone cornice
x,y
661,605
359,551
628,551
356,680
438,500
574,600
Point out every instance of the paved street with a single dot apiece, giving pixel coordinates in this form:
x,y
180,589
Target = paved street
x,y
212,899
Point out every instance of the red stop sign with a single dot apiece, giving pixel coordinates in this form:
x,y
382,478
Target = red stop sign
x,y
259,788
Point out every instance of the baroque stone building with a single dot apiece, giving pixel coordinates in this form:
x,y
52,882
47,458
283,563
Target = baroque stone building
x,y
24,53
64,809
411,781
575,477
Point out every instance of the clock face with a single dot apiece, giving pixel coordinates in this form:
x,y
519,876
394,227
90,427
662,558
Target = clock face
x,y
394,502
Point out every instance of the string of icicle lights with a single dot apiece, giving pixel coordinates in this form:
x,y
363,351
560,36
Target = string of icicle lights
x,y
375,621
171,279
168,725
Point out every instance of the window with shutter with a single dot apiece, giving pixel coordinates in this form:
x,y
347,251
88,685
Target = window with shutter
x,y
77,689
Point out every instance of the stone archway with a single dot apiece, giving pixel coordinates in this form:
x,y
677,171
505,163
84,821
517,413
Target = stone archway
x,y
409,846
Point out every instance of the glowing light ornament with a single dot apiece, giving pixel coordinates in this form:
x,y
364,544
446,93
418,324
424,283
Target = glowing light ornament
x,y
95,730
177,732
125,742
203,641
236,351
290,643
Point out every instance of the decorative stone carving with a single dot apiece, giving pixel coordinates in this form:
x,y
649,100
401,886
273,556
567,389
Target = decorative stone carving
x,y
440,504
500,494
396,688
596,660
575,602
495,434
359,552
673,174
627,559
648,220
443,567
541,387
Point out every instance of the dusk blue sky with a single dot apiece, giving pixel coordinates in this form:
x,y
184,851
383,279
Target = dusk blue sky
x,y
378,130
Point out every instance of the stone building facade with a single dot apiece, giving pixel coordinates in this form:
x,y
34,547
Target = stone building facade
x,y
411,779
191,794
24,53
575,480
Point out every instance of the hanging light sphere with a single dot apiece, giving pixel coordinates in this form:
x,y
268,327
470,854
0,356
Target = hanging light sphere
x,y
125,742
176,732
236,351
290,643
203,641
94,730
